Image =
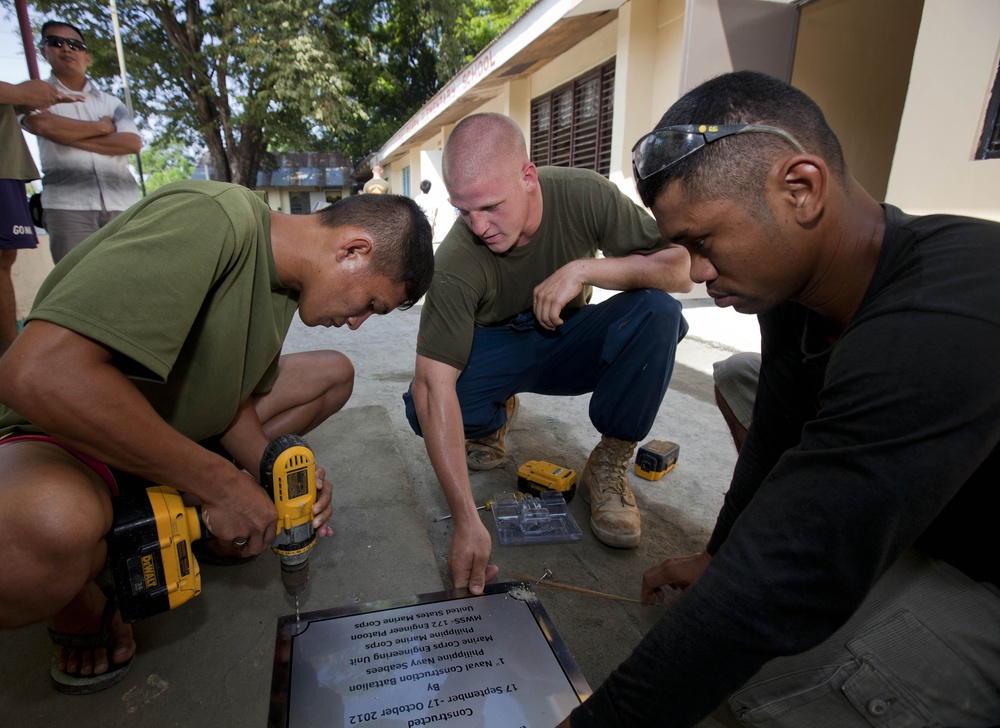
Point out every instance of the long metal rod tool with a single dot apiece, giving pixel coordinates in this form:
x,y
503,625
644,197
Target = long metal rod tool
x,y
558,585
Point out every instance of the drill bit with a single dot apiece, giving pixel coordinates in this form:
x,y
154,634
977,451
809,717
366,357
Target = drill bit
x,y
488,505
298,617
478,508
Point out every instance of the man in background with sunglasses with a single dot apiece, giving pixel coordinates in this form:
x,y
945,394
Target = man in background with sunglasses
x,y
84,147
508,312
852,576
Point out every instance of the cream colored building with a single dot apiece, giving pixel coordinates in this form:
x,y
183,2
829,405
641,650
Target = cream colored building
x,y
908,86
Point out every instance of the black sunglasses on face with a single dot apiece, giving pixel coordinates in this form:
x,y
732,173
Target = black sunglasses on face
x,y
56,41
663,148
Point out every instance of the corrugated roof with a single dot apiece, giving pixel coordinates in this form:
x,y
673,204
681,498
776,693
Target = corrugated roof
x,y
297,169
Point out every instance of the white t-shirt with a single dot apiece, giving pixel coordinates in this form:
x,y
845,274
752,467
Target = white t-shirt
x,y
74,179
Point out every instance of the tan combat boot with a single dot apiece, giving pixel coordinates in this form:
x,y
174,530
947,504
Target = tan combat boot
x,y
486,453
614,517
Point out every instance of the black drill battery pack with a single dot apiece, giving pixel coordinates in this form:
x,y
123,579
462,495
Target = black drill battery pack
x,y
149,551
656,458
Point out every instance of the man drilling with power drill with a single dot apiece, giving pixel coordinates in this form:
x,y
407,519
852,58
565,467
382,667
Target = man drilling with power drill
x,y
159,334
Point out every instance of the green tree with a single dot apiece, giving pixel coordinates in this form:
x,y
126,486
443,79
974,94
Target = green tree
x,y
242,78
236,77
398,53
163,163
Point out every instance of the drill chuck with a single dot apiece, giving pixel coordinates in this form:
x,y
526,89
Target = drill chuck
x,y
292,546
295,575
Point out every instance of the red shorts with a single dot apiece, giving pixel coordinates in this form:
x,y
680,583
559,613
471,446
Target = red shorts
x,y
98,467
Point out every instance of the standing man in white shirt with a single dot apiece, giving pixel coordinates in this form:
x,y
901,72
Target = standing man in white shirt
x,y
427,203
84,147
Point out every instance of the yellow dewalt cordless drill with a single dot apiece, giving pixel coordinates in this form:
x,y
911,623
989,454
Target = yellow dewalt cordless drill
x,y
149,545
288,472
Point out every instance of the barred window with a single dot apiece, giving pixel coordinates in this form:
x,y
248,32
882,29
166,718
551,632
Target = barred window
x,y
571,126
299,202
406,181
989,143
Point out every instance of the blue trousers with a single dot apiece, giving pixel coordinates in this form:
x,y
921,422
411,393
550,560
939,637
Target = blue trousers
x,y
622,350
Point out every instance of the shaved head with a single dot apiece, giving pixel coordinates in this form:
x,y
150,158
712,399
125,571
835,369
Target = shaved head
x,y
483,144
492,182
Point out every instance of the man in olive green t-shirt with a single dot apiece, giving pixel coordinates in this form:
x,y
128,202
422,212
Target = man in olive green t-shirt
x,y
508,312
16,168
159,335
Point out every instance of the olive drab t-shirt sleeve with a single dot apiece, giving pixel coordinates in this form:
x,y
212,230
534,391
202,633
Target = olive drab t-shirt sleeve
x,y
462,281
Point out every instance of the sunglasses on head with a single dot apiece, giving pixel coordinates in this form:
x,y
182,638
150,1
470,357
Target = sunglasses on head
x,y
663,148
56,41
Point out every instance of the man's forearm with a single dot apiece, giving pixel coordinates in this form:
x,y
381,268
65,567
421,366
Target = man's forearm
x,y
469,552
10,94
668,270
444,437
107,418
435,400
35,94
110,145
65,131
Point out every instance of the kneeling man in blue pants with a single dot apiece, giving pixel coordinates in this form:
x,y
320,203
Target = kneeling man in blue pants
x,y
508,312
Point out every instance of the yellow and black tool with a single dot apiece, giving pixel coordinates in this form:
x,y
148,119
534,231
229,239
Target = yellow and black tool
x,y
149,545
288,471
149,551
656,458
537,476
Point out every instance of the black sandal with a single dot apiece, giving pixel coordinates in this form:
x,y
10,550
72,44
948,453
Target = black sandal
x,y
88,684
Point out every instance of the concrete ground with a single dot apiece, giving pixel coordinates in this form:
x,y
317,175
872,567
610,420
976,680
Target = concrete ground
x,y
209,663
29,271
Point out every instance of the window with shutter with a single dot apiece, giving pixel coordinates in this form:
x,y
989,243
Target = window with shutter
x,y
571,125
540,115
299,202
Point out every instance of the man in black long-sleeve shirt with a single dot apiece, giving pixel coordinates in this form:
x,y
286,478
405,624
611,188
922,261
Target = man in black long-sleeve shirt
x,y
852,577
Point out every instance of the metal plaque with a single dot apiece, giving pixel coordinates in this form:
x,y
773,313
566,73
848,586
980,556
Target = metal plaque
x,y
445,659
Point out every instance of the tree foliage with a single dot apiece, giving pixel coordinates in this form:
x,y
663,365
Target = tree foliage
x,y
398,53
163,163
242,78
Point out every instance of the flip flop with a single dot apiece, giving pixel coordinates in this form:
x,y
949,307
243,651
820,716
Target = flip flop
x,y
88,684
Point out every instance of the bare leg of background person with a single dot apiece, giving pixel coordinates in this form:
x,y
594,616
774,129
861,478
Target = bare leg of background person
x,y
8,305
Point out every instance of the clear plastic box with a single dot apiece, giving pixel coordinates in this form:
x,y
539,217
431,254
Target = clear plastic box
x,y
525,519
